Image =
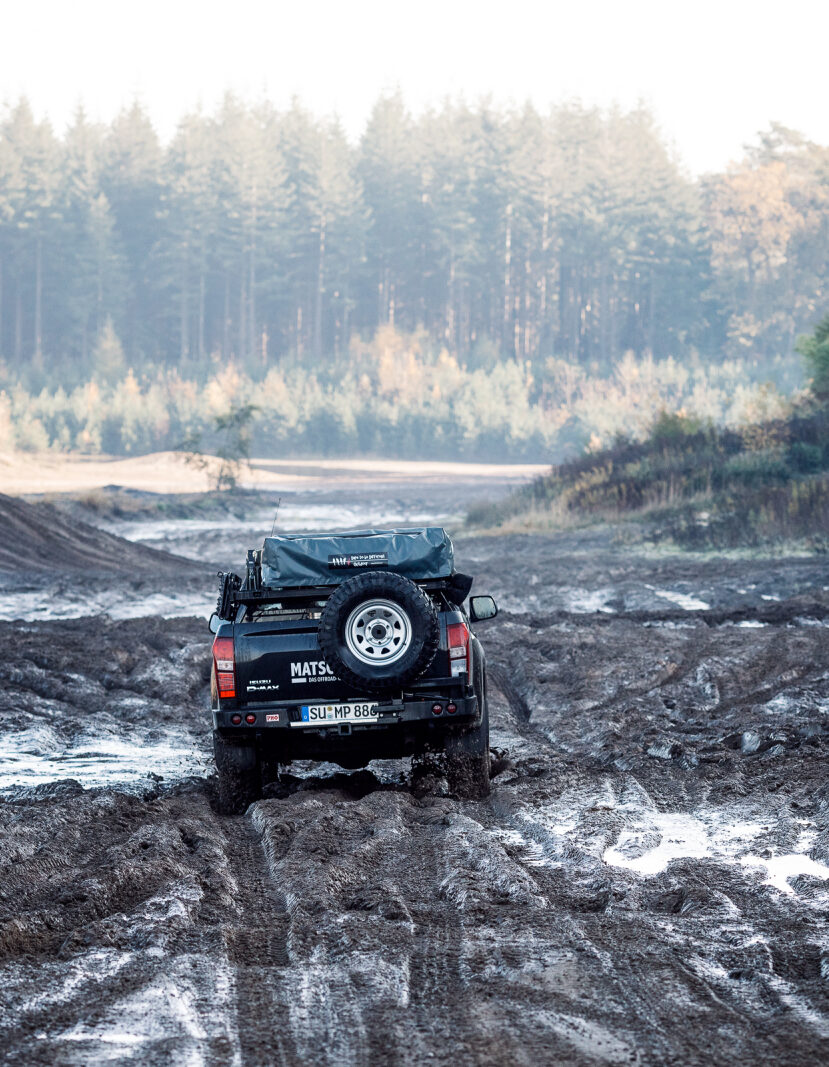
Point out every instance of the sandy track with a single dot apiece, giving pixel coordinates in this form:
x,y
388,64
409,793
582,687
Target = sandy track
x,y
649,881
168,472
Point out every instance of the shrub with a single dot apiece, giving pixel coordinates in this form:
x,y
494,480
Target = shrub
x,y
751,488
805,458
815,349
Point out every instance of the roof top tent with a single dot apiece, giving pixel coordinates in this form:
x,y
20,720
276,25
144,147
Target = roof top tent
x,y
296,561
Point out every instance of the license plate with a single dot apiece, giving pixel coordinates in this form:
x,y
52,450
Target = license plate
x,y
320,714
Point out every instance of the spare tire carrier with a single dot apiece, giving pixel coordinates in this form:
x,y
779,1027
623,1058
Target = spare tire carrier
x,y
379,630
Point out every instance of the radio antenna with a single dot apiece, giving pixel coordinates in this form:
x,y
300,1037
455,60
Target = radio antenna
x,y
275,516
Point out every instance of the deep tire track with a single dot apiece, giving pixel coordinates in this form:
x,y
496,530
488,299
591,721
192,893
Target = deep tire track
x,y
257,949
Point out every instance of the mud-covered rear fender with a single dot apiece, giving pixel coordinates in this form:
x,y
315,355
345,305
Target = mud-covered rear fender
x,y
234,754
478,657
478,679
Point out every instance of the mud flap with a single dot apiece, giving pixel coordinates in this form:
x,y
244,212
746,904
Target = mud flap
x,y
467,753
240,774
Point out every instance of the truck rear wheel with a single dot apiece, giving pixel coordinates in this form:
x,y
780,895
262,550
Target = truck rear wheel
x,y
467,754
240,774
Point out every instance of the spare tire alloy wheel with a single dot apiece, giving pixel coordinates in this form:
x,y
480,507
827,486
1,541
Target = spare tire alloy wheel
x,y
378,631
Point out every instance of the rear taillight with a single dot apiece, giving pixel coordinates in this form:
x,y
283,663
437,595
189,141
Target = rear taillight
x,y
458,637
225,667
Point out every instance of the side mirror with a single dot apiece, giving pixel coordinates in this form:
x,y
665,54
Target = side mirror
x,y
481,608
215,623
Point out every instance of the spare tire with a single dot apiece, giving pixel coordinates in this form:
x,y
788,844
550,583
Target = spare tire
x,y
378,631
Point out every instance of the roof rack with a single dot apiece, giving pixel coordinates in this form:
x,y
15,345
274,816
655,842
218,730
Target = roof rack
x,y
267,594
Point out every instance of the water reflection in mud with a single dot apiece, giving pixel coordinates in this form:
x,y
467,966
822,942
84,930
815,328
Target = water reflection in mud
x,y
627,833
81,602
97,762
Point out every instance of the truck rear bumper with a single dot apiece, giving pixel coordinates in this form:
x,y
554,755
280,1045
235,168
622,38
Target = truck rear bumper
x,y
404,728
282,719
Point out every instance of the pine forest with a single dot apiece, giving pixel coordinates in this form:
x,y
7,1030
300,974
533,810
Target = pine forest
x,y
478,281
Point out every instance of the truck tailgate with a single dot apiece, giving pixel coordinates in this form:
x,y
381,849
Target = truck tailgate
x,y
281,661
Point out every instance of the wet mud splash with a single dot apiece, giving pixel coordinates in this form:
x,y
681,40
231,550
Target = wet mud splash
x,y
648,883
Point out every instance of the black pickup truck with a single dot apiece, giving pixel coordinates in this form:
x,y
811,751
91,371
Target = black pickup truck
x,y
348,648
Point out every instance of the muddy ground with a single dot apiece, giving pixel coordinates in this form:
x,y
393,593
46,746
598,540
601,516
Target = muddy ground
x,y
648,882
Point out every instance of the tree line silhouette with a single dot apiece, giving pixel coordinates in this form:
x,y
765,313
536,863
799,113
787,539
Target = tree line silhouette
x,y
263,236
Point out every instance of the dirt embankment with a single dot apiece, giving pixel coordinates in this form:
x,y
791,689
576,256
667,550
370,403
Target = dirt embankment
x,y
39,539
648,883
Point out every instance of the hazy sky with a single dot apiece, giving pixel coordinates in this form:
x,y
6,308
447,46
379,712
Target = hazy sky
x,y
714,73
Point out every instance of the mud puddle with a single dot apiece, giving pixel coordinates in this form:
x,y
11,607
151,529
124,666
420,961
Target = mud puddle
x,y
80,601
104,703
98,763
628,832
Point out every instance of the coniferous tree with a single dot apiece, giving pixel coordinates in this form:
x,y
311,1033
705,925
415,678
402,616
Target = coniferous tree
x,y
190,215
131,180
91,292
389,173
36,153
327,223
